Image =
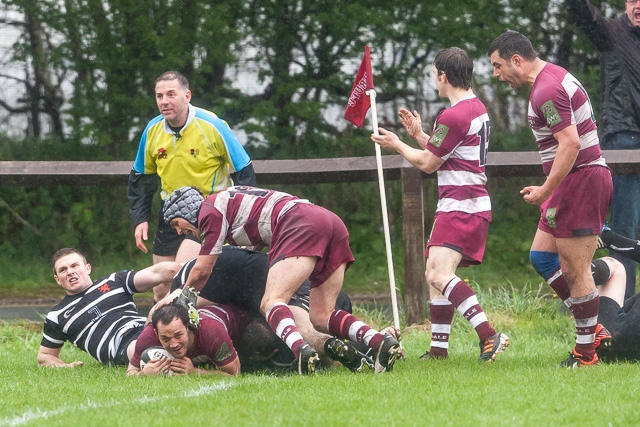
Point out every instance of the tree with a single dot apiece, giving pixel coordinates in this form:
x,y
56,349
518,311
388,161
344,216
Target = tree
x,y
35,50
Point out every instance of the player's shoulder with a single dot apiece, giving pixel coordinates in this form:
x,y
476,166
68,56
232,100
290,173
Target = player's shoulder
x,y
147,337
118,279
548,85
218,315
459,116
551,77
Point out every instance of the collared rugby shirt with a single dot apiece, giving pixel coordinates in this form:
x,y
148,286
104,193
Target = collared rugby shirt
x,y
96,319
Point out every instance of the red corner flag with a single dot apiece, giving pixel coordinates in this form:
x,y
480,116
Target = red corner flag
x,y
359,102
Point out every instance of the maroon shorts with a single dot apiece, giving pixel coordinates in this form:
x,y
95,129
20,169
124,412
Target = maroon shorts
x,y
462,232
579,206
311,230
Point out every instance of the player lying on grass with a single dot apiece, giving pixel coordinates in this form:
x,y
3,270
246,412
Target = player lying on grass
x,y
630,248
211,335
239,278
619,339
101,318
222,335
98,317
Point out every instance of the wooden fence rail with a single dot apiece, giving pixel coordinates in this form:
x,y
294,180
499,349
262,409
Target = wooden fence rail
x,y
306,171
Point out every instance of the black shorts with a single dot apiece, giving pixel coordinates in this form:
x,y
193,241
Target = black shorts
x,y
167,240
121,358
239,278
301,298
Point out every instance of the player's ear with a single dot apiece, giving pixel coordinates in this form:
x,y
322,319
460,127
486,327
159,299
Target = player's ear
x,y
88,268
516,60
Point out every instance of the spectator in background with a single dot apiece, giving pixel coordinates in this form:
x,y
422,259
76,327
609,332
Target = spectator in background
x,y
183,146
618,43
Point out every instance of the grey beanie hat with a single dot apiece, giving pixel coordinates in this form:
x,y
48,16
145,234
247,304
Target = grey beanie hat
x,y
183,203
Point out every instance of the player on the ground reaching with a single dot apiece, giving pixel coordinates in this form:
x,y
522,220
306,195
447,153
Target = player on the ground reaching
x,y
98,317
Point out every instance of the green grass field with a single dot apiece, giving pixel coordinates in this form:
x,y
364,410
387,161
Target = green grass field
x,y
524,387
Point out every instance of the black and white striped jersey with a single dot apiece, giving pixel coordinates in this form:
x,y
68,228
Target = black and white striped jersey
x,y
96,319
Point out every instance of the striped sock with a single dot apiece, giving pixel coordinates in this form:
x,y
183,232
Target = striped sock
x,y
280,318
345,325
441,315
559,285
465,301
585,313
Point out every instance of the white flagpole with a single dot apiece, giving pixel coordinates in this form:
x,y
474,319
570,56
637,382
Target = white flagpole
x,y
385,218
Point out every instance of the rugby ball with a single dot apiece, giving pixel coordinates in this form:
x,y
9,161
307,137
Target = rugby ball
x,y
153,353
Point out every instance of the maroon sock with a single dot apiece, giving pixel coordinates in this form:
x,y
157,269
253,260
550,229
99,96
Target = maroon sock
x,y
281,320
465,301
441,313
559,285
345,325
585,314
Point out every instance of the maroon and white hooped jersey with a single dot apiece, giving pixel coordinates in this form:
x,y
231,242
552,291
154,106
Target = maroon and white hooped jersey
x,y
220,327
461,139
241,216
557,101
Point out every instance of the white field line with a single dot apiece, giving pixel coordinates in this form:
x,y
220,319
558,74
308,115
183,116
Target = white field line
x,y
43,414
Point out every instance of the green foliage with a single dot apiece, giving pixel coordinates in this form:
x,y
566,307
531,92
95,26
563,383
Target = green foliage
x,y
301,57
107,54
523,302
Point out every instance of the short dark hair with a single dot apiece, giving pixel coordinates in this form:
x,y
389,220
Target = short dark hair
x,y
457,65
168,312
64,252
173,75
511,43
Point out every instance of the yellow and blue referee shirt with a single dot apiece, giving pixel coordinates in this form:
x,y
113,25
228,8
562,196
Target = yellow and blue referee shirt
x,y
202,155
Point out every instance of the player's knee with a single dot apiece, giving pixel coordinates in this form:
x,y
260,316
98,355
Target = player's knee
x,y
544,263
435,280
266,304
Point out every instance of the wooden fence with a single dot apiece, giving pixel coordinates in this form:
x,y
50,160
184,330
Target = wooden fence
x,y
351,169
